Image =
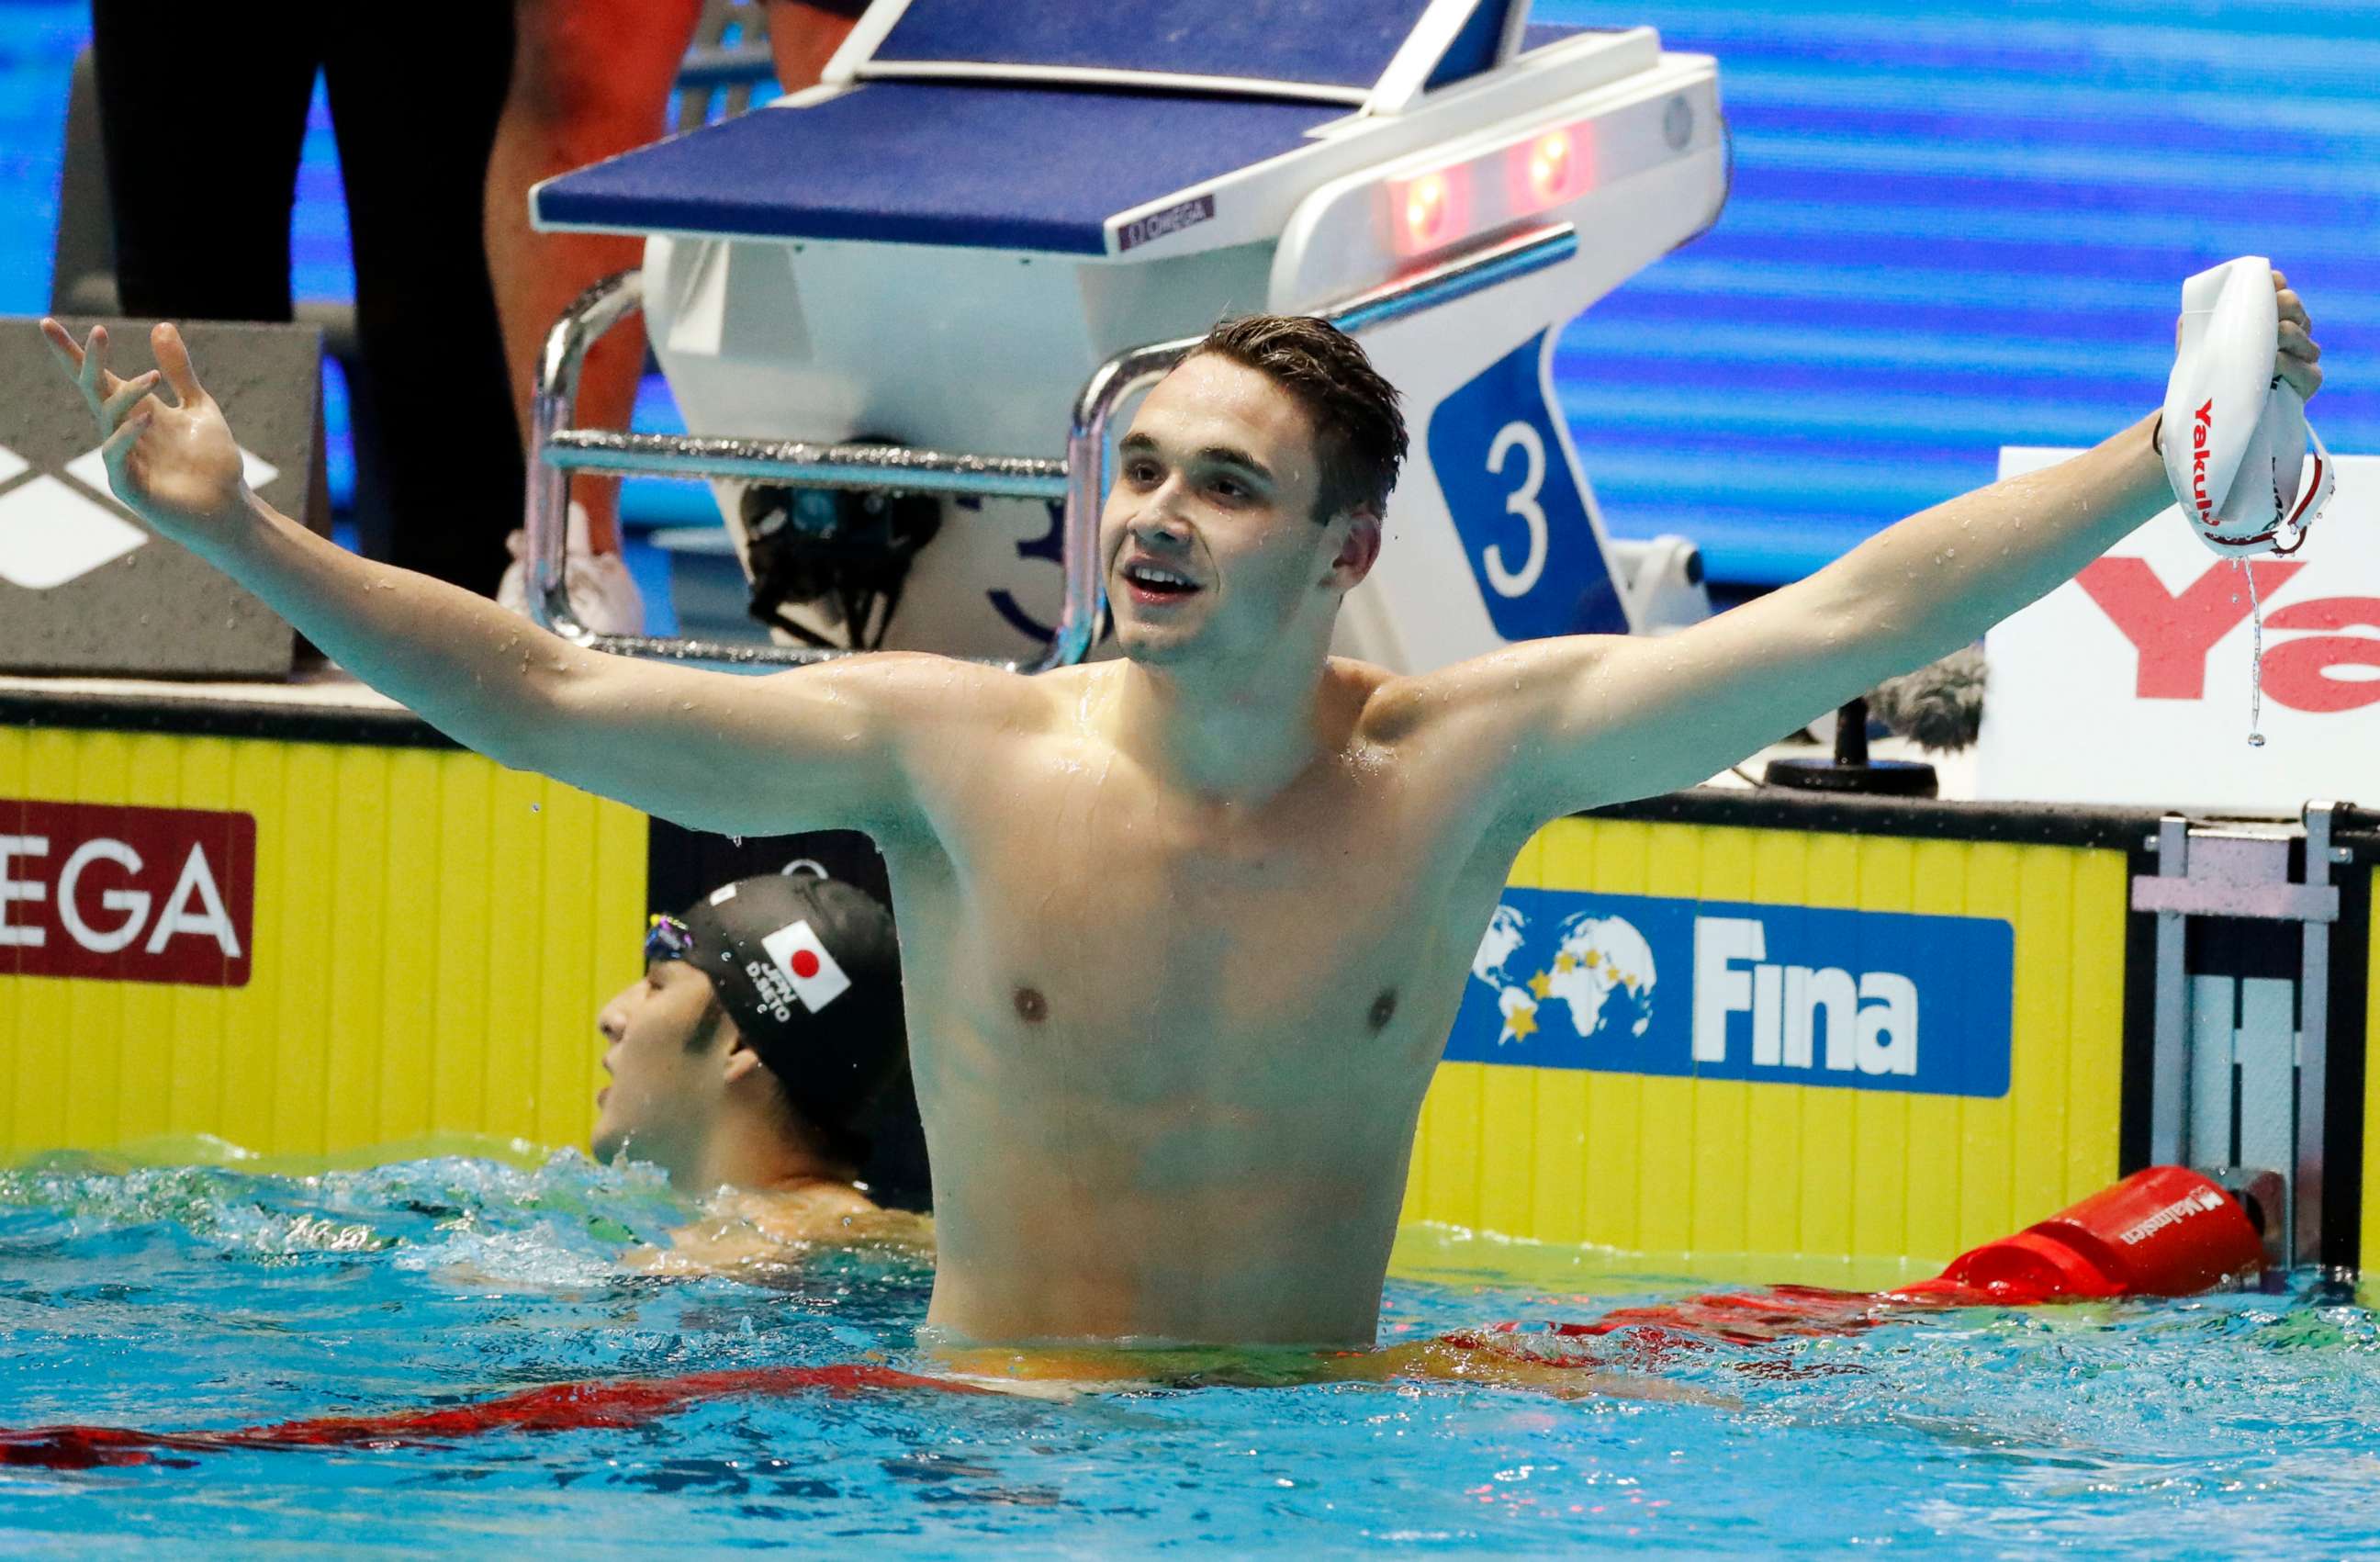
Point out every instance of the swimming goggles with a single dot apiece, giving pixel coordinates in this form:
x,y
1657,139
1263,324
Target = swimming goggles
x,y
666,938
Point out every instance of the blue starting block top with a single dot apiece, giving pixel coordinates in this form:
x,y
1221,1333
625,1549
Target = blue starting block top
x,y
996,124
914,162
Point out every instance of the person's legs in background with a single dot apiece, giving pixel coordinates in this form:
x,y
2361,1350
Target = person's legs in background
x,y
202,236
592,78
804,35
414,101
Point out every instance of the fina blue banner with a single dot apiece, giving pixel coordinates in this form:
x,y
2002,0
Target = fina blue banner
x,y
1781,995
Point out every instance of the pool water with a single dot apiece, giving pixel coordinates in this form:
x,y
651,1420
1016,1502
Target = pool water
x,y
214,1298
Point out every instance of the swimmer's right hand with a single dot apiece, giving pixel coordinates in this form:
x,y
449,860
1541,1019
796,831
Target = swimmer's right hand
x,y
174,465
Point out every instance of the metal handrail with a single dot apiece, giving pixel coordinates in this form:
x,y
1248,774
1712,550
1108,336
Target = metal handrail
x,y
553,401
558,450
906,468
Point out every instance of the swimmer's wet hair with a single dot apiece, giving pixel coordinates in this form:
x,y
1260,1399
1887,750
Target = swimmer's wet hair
x,y
1363,433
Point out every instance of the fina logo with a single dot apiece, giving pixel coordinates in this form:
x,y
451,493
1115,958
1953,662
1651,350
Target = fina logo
x,y
1598,984
1870,1024
1601,973
1804,995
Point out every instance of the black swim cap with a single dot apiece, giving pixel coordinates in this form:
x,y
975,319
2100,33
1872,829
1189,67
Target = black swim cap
x,y
810,971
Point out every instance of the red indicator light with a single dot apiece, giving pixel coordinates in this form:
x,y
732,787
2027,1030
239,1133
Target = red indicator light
x,y
1428,212
1551,167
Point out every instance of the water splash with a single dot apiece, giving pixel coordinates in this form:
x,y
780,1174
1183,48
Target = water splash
x,y
140,1298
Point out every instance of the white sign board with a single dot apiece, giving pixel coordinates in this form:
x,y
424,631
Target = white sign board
x,y
2129,684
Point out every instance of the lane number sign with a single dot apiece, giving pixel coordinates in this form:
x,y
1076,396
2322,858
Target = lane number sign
x,y
1520,513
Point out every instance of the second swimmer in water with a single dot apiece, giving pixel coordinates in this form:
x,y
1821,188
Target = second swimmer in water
x,y
762,1062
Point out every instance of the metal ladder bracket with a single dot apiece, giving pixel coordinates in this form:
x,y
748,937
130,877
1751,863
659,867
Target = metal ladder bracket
x,y
2203,1064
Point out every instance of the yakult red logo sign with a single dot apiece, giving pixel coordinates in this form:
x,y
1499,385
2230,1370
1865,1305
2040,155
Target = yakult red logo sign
x,y
126,893
2199,423
2173,633
2132,683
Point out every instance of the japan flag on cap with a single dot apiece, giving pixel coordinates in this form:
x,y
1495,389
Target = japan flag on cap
x,y
816,980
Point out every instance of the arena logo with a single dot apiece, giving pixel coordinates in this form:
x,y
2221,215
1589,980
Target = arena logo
x,y
2173,633
53,532
126,893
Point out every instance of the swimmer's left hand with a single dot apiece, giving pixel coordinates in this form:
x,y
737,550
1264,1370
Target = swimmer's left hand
x,y
2297,355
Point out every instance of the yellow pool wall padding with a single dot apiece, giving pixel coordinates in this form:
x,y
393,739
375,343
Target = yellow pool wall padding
x,y
1689,1169
434,937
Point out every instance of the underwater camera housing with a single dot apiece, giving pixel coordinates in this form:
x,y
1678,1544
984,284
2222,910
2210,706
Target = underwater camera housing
x,y
845,553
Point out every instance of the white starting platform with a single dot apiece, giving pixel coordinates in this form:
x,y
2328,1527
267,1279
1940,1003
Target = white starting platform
x,y
901,312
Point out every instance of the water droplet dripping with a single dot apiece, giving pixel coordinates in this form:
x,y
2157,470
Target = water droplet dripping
x,y
2256,658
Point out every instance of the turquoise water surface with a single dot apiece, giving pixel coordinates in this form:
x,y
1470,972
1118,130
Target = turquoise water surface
x,y
209,1298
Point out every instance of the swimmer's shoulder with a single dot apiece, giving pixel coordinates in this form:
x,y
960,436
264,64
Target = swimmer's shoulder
x,y
1068,699
1491,690
832,1215
746,1232
1393,707
918,688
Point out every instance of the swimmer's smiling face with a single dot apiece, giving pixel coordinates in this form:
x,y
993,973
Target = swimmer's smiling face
x,y
665,1056
1210,535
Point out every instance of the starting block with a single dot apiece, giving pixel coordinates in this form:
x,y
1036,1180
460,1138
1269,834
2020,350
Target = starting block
x,y
903,311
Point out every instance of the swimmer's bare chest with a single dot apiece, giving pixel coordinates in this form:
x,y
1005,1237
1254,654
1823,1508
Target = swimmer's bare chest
x,y
1169,1050
1078,910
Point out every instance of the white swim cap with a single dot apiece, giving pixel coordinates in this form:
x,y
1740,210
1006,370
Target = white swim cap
x,y
2235,435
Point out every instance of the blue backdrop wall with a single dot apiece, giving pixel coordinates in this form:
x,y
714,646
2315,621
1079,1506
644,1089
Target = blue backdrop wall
x,y
1953,227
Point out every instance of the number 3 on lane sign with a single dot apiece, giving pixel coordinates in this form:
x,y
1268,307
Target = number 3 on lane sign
x,y
1521,519
1522,502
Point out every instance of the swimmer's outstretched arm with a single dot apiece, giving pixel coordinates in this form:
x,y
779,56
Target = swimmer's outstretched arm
x,y
1582,721
817,747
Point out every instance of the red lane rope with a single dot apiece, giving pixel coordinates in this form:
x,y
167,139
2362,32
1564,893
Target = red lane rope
x,y
562,1407
2164,1231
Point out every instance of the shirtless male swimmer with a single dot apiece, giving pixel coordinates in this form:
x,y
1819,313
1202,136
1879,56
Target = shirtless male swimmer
x,y
1184,933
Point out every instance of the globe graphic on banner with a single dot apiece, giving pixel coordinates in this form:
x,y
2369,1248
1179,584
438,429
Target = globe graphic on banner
x,y
1597,979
